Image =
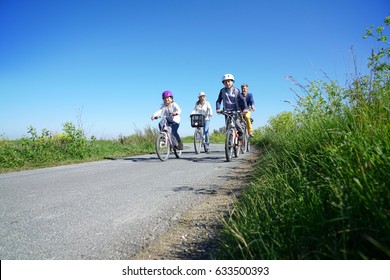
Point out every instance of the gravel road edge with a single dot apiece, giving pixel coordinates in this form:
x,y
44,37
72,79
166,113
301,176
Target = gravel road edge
x,y
195,236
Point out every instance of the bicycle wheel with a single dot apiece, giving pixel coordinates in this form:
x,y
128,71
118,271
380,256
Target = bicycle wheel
x,y
237,147
243,146
197,140
229,145
162,146
205,146
248,145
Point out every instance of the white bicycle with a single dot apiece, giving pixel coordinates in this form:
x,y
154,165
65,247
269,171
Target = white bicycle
x,y
197,121
165,141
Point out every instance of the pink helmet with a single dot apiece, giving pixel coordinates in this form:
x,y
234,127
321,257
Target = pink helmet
x,y
167,93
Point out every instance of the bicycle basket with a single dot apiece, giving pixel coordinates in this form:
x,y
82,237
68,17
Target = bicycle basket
x,y
197,120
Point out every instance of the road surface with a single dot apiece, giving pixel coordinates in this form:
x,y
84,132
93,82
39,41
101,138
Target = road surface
x,y
107,209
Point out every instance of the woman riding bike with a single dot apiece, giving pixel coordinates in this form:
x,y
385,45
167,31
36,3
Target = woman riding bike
x,y
203,107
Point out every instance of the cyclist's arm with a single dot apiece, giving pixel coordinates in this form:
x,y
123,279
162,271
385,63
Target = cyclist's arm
x,y
210,110
218,103
176,109
196,109
252,102
156,114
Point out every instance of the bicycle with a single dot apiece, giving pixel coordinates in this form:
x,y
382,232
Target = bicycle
x,y
197,121
165,141
232,145
246,144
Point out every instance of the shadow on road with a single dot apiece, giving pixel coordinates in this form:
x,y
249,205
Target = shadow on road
x,y
203,191
212,156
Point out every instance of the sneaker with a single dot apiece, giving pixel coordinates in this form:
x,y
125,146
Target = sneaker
x,y
180,146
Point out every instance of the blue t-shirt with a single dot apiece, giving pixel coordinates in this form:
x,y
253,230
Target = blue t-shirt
x,y
249,100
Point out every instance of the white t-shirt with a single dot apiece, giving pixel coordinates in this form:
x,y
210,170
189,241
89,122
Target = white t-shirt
x,y
204,109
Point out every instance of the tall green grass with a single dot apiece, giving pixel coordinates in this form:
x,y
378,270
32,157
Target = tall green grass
x,y
321,187
70,146
38,150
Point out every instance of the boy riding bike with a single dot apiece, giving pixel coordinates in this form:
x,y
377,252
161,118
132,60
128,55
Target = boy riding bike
x,y
232,101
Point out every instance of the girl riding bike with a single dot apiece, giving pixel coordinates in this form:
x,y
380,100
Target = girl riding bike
x,y
171,111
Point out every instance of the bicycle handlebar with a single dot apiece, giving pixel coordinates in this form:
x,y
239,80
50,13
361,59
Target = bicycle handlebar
x,y
163,117
229,113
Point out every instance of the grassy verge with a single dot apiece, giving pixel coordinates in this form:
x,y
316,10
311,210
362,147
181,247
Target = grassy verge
x,y
71,146
321,188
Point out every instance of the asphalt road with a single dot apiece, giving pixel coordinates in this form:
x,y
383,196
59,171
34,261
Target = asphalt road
x,y
106,209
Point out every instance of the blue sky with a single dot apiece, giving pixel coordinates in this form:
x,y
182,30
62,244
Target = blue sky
x,y
106,63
